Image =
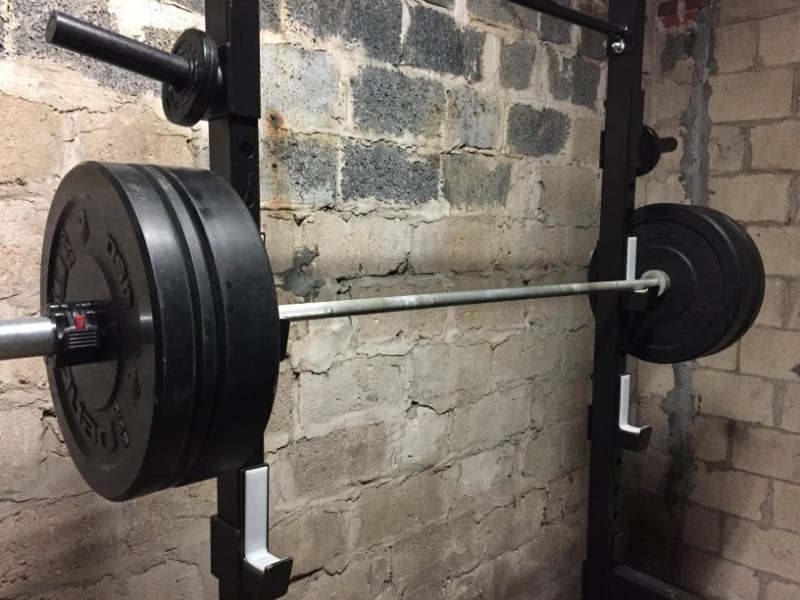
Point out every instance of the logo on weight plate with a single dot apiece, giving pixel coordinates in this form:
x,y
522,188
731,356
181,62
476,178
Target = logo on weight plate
x,y
103,438
120,273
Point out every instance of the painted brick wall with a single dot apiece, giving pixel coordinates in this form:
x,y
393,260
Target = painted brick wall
x,y
716,497
407,146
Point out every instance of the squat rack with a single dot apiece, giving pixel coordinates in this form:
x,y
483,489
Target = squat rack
x,y
239,556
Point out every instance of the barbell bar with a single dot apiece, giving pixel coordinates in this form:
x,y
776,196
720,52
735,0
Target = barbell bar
x,y
38,336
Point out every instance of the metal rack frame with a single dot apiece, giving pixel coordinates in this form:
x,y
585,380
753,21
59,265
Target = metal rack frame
x,y
239,555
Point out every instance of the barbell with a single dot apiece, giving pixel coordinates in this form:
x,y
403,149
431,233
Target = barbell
x,y
162,333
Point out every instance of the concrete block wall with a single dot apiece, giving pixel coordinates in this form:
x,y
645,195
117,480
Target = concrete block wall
x,y
408,146
714,501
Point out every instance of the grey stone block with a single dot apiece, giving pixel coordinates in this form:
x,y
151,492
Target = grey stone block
x,y
435,42
442,3
537,132
473,181
555,30
677,46
376,24
387,101
299,85
389,173
299,169
516,64
574,78
473,119
29,41
270,14
592,45
504,12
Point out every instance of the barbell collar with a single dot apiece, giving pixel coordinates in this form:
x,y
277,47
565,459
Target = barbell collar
x,y
84,38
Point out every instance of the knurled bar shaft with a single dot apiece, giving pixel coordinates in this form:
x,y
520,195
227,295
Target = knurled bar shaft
x,y
370,306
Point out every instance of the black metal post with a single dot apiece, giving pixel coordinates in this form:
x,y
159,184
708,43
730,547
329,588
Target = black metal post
x,y
234,153
624,123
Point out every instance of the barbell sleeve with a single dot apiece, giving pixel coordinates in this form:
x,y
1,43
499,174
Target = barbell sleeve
x,y
24,338
111,47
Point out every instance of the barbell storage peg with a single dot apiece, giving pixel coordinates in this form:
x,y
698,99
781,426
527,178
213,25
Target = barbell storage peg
x,y
191,75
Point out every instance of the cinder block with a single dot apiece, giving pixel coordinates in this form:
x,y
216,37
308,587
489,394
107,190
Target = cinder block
x,y
735,10
460,244
474,182
299,87
315,539
434,41
516,64
771,353
774,244
172,579
752,95
777,590
505,13
338,460
422,441
775,302
764,451
368,245
555,451
373,25
473,119
28,126
570,196
770,550
367,578
732,492
388,173
733,396
481,425
37,536
575,79
444,376
708,574
702,529
774,146
710,437
727,148
794,305
298,170
414,502
735,46
778,40
353,392
424,558
753,198
537,132
785,503
790,407
390,102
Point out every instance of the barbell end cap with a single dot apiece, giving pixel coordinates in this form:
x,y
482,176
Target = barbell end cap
x,y
664,281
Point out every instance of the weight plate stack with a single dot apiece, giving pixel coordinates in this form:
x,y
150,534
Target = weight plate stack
x,y
176,259
716,283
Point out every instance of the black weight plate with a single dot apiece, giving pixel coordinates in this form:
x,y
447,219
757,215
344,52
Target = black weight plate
x,y
248,328
757,290
747,273
108,238
705,297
